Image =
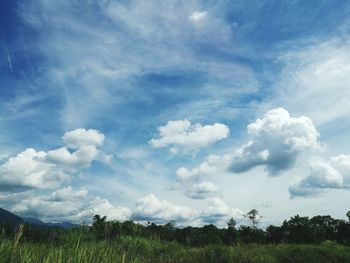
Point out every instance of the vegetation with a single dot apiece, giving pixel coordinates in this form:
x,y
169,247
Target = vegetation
x,y
299,239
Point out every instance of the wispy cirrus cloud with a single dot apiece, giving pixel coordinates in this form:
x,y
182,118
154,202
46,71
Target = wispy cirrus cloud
x,y
124,49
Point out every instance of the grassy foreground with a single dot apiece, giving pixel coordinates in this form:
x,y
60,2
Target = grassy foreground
x,y
127,249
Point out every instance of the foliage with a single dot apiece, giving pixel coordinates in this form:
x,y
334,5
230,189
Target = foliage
x,y
253,217
135,249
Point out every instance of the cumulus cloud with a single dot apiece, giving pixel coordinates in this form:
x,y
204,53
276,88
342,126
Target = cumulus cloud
x,y
69,204
8,199
81,137
184,174
68,193
150,208
277,140
194,181
33,169
183,134
78,205
80,158
26,171
324,175
101,206
212,165
342,164
202,190
84,144
218,211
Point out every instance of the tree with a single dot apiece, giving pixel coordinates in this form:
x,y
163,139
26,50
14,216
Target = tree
x,y
343,233
274,234
348,215
248,234
99,226
253,217
231,223
210,234
232,233
298,230
323,228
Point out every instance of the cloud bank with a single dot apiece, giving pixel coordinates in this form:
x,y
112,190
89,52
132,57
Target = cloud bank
x,y
150,208
68,204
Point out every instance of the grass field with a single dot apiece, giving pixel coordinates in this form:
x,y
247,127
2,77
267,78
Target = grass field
x,y
132,249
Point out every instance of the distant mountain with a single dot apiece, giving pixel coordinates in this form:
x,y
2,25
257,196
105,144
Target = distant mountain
x,y
33,221
7,217
38,222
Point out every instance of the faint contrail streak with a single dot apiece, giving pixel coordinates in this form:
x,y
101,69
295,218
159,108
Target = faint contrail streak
x,y
8,54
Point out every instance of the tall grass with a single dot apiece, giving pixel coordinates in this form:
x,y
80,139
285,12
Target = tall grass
x,y
78,247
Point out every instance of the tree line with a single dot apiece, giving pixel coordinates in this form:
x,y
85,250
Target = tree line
x,y
298,229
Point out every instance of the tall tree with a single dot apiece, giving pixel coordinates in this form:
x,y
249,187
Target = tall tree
x,y
231,233
253,217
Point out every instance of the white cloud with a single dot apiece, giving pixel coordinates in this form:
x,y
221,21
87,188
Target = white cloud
x,y
342,164
212,165
183,174
31,169
324,175
80,158
78,205
182,133
69,204
8,199
198,16
81,137
277,140
150,208
193,181
84,143
26,171
219,212
101,206
68,193
202,190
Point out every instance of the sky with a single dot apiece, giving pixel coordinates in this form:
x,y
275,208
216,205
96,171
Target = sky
x,y
185,111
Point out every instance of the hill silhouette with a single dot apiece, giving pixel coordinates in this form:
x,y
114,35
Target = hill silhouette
x,y
7,217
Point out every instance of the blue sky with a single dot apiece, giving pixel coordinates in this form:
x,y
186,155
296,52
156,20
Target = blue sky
x,y
192,111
